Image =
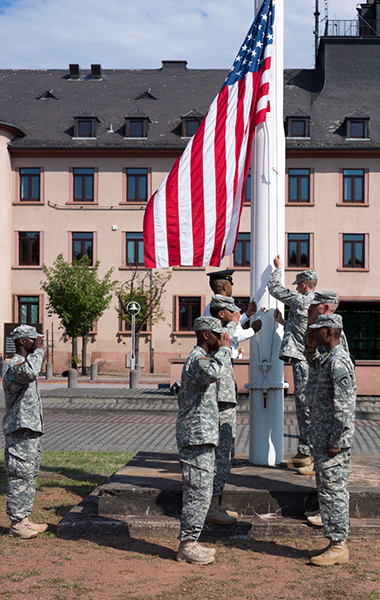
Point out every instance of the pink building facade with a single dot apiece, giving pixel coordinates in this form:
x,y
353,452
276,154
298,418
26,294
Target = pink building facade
x,y
81,152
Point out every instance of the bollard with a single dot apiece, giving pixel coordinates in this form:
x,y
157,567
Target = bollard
x,y
49,370
72,378
3,364
134,379
94,371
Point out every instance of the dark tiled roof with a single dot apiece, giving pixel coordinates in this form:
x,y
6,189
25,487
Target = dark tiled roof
x,y
44,103
346,84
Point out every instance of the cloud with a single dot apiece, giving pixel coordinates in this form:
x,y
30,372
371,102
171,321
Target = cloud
x,y
138,35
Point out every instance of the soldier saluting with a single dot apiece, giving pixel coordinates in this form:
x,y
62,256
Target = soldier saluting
x,y
23,428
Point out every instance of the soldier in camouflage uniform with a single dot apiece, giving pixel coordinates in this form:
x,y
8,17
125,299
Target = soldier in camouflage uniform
x,y
324,303
23,428
332,430
292,348
198,433
224,309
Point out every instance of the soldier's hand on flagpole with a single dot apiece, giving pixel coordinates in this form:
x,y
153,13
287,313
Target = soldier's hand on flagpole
x,y
277,315
257,325
277,262
251,308
225,340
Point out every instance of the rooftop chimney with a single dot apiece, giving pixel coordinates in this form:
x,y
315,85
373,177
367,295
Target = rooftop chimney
x,y
96,71
74,71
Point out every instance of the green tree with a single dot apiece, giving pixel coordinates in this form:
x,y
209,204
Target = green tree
x,y
78,297
146,288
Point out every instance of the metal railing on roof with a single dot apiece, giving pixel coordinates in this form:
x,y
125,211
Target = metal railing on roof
x,y
352,28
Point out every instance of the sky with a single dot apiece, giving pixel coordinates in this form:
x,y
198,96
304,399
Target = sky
x,y
138,34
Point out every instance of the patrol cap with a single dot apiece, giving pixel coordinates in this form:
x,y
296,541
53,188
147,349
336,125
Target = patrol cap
x,y
333,321
325,298
305,276
219,302
207,323
226,274
25,331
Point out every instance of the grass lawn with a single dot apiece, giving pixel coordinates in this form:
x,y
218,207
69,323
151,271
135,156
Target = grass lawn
x,y
65,479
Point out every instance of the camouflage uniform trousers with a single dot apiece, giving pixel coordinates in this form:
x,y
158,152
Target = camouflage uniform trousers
x,y
332,476
22,461
197,464
300,378
225,452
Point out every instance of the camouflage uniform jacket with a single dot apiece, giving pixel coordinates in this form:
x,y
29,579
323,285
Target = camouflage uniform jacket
x,y
333,410
226,385
293,342
198,414
21,393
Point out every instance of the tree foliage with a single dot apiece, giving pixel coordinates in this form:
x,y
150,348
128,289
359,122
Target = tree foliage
x,y
76,294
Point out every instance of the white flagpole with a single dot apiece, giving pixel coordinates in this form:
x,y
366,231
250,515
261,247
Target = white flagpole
x,y
267,239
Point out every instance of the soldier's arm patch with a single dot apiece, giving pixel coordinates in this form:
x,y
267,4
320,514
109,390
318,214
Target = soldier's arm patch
x,y
19,362
343,378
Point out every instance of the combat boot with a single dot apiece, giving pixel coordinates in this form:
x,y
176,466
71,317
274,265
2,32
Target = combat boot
x,y
40,527
22,529
218,515
316,520
308,470
299,460
192,552
336,554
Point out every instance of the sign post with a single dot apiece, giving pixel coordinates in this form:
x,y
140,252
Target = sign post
x,y
133,309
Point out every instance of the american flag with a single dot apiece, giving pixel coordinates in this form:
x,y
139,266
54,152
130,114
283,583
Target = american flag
x,y
193,218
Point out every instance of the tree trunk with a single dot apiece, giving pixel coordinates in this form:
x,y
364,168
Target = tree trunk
x,y
84,354
74,351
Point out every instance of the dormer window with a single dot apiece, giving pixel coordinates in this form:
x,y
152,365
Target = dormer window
x,y
190,123
357,126
298,125
85,128
85,125
136,125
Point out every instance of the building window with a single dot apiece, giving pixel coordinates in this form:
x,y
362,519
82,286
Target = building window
x,y
85,129
30,185
353,185
297,127
136,127
28,309
83,185
353,251
298,185
357,128
191,127
85,125
298,250
29,248
137,185
361,324
242,254
247,193
134,250
189,310
82,243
